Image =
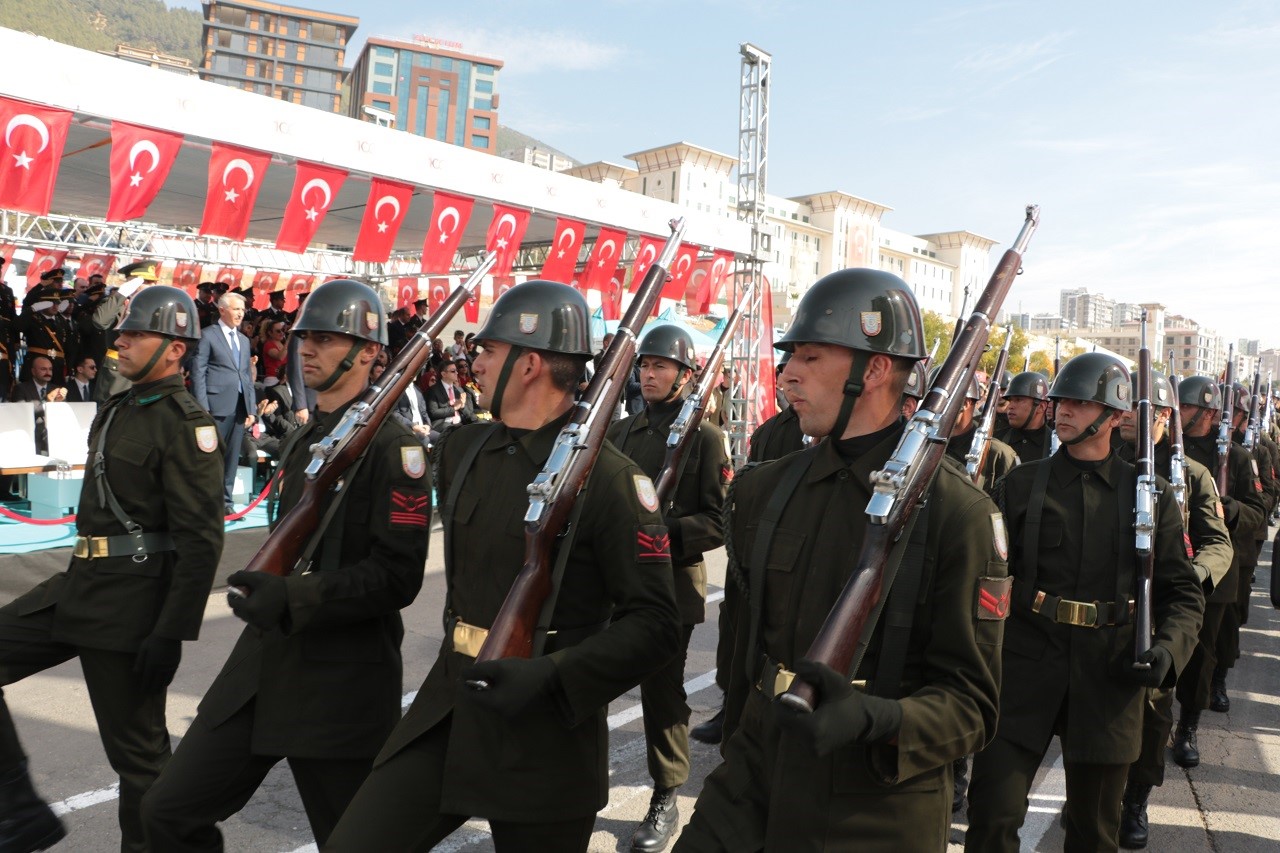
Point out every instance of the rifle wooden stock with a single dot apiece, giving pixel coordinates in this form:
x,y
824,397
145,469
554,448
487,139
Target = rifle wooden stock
x,y
1224,424
555,491
1144,505
687,422
843,638
280,553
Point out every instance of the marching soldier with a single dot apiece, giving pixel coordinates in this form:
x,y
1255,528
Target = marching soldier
x,y
1069,645
999,458
666,361
315,677
1028,411
149,536
1210,545
1200,404
870,767
530,752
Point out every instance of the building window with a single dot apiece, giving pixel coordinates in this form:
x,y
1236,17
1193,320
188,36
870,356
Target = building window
x,y
485,86
479,141
382,105
446,64
481,104
381,88
383,69
384,52
485,69
481,122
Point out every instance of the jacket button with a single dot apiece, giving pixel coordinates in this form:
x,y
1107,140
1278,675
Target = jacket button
x,y
842,475
511,450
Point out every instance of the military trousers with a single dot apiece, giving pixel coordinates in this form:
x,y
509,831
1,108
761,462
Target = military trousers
x,y
726,631
666,719
1194,680
214,772
1157,722
131,721
398,808
1002,777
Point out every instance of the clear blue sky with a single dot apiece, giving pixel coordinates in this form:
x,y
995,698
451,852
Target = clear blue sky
x,y
1146,130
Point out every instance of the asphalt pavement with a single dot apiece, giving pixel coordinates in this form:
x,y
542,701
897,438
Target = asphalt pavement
x,y
1231,802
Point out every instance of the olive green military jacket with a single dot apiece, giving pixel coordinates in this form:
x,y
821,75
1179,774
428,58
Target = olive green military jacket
x,y
164,465
329,684
1243,514
1085,552
1029,445
776,437
1000,458
695,519
616,610
951,679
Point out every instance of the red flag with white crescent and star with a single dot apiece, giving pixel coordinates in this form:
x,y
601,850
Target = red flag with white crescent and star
x,y
437,294
646,254
505,233
603,262
681,270
766,401
384,213
501,284
235,176
611,299
230,276
449,216
95,265
33,140
406,292
298,283
471,308
562,257
43,260
706,282
187,276
264,281
314,188
141,158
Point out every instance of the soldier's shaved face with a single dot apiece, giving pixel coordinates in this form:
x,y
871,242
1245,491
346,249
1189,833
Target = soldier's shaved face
x,y
814,378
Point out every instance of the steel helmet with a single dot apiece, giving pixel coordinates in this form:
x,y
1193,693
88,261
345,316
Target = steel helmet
x,y
1161,390
973,392
668,341
1200,391
863,309
1030,384
345,306
917,382
1243,398
164,310
1094,377
1005,378
540,315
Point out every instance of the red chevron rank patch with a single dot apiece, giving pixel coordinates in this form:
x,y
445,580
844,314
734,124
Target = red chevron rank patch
x,y
993,598
410,508
653,544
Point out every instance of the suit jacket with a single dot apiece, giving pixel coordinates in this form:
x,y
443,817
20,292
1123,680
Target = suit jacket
x,y
441,412
404,413
219,379
73,391
25,392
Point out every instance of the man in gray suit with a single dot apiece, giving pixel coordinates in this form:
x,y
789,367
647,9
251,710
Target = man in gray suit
x,y
222,382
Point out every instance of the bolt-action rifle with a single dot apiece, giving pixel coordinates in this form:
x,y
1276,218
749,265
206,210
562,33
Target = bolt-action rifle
x,y
977,455
1144,507
1177,454
1253,428
899,487
1224,425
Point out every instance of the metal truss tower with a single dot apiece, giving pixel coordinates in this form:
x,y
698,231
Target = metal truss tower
x,y
754,81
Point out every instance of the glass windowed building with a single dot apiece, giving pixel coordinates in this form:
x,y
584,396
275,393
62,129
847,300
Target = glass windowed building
x,y
429,88
285,52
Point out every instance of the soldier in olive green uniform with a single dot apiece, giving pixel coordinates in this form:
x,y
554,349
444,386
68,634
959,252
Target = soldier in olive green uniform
x,y
999,458
149,538
1200,403
1069,644
315,677
666,362
1029,433
1209,546
869,769
530,752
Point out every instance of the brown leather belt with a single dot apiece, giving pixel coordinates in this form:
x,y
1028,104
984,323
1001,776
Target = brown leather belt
x,y
1081,614
97,547
51,353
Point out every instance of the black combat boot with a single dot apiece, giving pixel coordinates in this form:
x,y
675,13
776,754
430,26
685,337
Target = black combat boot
x,y
654,834
26,822
1133,817
1218,699
960,778
712,730
1185,751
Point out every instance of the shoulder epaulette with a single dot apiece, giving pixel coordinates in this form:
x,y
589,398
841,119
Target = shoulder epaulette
x,y
190,408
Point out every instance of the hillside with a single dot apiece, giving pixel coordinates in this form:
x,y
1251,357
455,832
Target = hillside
x,y
102,24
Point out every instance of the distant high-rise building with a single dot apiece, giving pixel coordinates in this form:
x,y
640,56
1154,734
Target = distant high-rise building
x,y
543,158
429,88
1083,310
285,52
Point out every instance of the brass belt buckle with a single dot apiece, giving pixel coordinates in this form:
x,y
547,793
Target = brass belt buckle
x,y
782,680
468,639
1082,614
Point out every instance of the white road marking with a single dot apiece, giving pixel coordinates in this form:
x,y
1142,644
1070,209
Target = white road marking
x,y
84,801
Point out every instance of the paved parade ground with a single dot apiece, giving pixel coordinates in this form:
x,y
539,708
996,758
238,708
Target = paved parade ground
x,y
1231,802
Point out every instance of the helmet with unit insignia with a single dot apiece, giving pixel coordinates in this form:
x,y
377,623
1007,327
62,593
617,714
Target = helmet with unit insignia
x,y
163,310
863,309
540,315
671,342
972,392
1094,377
1161,391
1243,398
345,306
917,382
1030,384
1200,391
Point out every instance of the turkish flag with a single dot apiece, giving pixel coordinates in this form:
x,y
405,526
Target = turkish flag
x,y
235,176
611,299
187,276
230,276
141,158
29,158
264,282
7,250
501,284
95,265
437,294
505,233
298,283
681,270
646,254
471,308
44,260
604,259
562,257
718,273
406,293
313,190
383,215
449,216
766,401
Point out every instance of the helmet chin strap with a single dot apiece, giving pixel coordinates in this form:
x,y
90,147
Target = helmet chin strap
x,y
676,387
1091,430
347,363
155,356
495,405
1195,419
853,386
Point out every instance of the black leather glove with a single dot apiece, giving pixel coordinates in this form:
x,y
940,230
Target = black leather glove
x,y
1230,511
514,683
267,603
843,714
1161,662
157,662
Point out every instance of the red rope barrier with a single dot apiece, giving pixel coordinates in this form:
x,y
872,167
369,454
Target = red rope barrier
x,y
235,516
